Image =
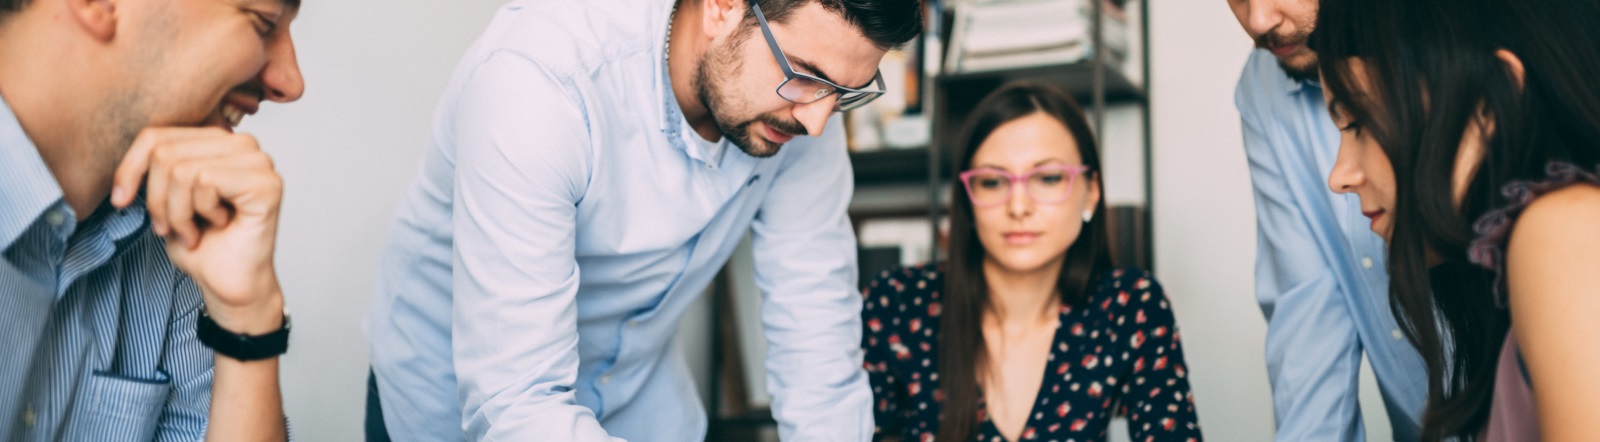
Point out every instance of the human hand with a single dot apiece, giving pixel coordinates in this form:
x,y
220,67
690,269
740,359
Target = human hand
x,y
214,196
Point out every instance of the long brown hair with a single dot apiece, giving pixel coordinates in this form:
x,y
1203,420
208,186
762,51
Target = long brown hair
x,y
1431,65
961,345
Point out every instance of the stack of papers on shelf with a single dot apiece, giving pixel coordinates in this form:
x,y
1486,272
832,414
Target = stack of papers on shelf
x,y
1010,34
912,237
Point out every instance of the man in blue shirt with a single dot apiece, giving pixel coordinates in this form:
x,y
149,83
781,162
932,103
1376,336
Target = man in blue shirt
x,y
592,166
138,299
1320,275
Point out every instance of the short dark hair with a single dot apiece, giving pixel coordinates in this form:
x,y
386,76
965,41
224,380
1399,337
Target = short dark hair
x,y
8,7
888,23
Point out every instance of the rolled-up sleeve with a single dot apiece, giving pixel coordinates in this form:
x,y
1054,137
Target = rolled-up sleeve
x,y
522,158
805,257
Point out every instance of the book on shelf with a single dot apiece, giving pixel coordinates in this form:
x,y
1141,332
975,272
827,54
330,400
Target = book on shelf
x,y
895,120
998,35
912,238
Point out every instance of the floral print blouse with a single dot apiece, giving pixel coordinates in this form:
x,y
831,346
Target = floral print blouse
x,y
1118,353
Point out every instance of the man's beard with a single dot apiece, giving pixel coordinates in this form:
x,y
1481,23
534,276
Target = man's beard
x,y
122,117
1304,72
1308,72
723,63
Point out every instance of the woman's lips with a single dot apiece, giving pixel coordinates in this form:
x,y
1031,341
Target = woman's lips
x,y
1021,238
1374,215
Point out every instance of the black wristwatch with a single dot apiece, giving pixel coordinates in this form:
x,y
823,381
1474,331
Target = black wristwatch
x,y
238,346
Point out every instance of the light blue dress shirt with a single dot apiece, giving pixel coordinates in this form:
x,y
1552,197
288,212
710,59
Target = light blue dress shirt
x,y
562,222
97,324
1320,274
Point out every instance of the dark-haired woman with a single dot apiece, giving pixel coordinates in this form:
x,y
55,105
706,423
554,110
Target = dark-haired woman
x,y
1028,333
1472,136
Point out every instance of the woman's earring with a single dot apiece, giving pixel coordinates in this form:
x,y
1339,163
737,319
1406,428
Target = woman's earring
x,y
1088,215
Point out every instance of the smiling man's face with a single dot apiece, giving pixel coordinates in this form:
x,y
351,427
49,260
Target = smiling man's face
x,y
209,62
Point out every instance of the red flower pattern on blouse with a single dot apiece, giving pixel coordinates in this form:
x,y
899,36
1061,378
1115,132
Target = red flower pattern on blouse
x,y
1117,351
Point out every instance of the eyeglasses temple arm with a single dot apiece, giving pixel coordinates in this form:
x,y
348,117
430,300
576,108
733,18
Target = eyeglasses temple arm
x,y
772,43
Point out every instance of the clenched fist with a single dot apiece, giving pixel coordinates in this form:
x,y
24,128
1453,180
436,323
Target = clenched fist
x,y
214,196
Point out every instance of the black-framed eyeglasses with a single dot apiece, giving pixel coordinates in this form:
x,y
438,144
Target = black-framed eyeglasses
x,y
806,89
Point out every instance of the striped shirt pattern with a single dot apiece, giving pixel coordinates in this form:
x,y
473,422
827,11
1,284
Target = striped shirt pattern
x,y
97,325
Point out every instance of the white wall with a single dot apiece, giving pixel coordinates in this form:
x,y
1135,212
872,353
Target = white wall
x,y
1205,220
374,70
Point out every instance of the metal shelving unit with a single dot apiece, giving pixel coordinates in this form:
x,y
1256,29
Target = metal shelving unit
x,y
1093,83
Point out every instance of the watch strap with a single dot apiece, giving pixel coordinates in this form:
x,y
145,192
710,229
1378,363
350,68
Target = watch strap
x,y
240,346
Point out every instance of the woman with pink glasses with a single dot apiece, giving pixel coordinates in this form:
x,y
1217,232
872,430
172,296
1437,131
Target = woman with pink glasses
x,y
1028,332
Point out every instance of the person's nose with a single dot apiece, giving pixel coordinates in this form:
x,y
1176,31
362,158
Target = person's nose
x,y
1020,204
1263,16
814,115
281,76
1346,175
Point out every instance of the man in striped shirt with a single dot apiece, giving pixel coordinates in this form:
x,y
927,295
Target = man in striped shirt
x,y
136,229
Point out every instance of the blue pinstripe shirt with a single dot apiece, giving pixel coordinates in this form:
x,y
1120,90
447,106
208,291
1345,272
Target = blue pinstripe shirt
x,y
97,324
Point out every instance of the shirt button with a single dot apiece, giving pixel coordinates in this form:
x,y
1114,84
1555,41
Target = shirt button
x,y
55,218
605,379
1398,335
710,166
633,324
28,417
1366,262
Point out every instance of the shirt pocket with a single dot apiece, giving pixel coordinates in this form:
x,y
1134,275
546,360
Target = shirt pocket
x,y
113,407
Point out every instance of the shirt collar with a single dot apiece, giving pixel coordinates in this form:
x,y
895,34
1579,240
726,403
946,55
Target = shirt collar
x,y
673,124
122,224
670,112
27,188
1293,85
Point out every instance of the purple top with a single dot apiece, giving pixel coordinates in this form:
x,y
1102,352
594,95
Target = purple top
x,y
1494,227
1512,416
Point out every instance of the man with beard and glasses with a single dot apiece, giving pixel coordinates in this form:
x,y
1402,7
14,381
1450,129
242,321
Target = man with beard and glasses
x,y
593,165
1320,275
138,298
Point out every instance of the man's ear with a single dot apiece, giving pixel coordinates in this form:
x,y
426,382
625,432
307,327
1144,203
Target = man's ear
x,y
98,17
721,17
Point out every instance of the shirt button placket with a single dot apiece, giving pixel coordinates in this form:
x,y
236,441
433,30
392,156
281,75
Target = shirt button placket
x,y
29,417
55,218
